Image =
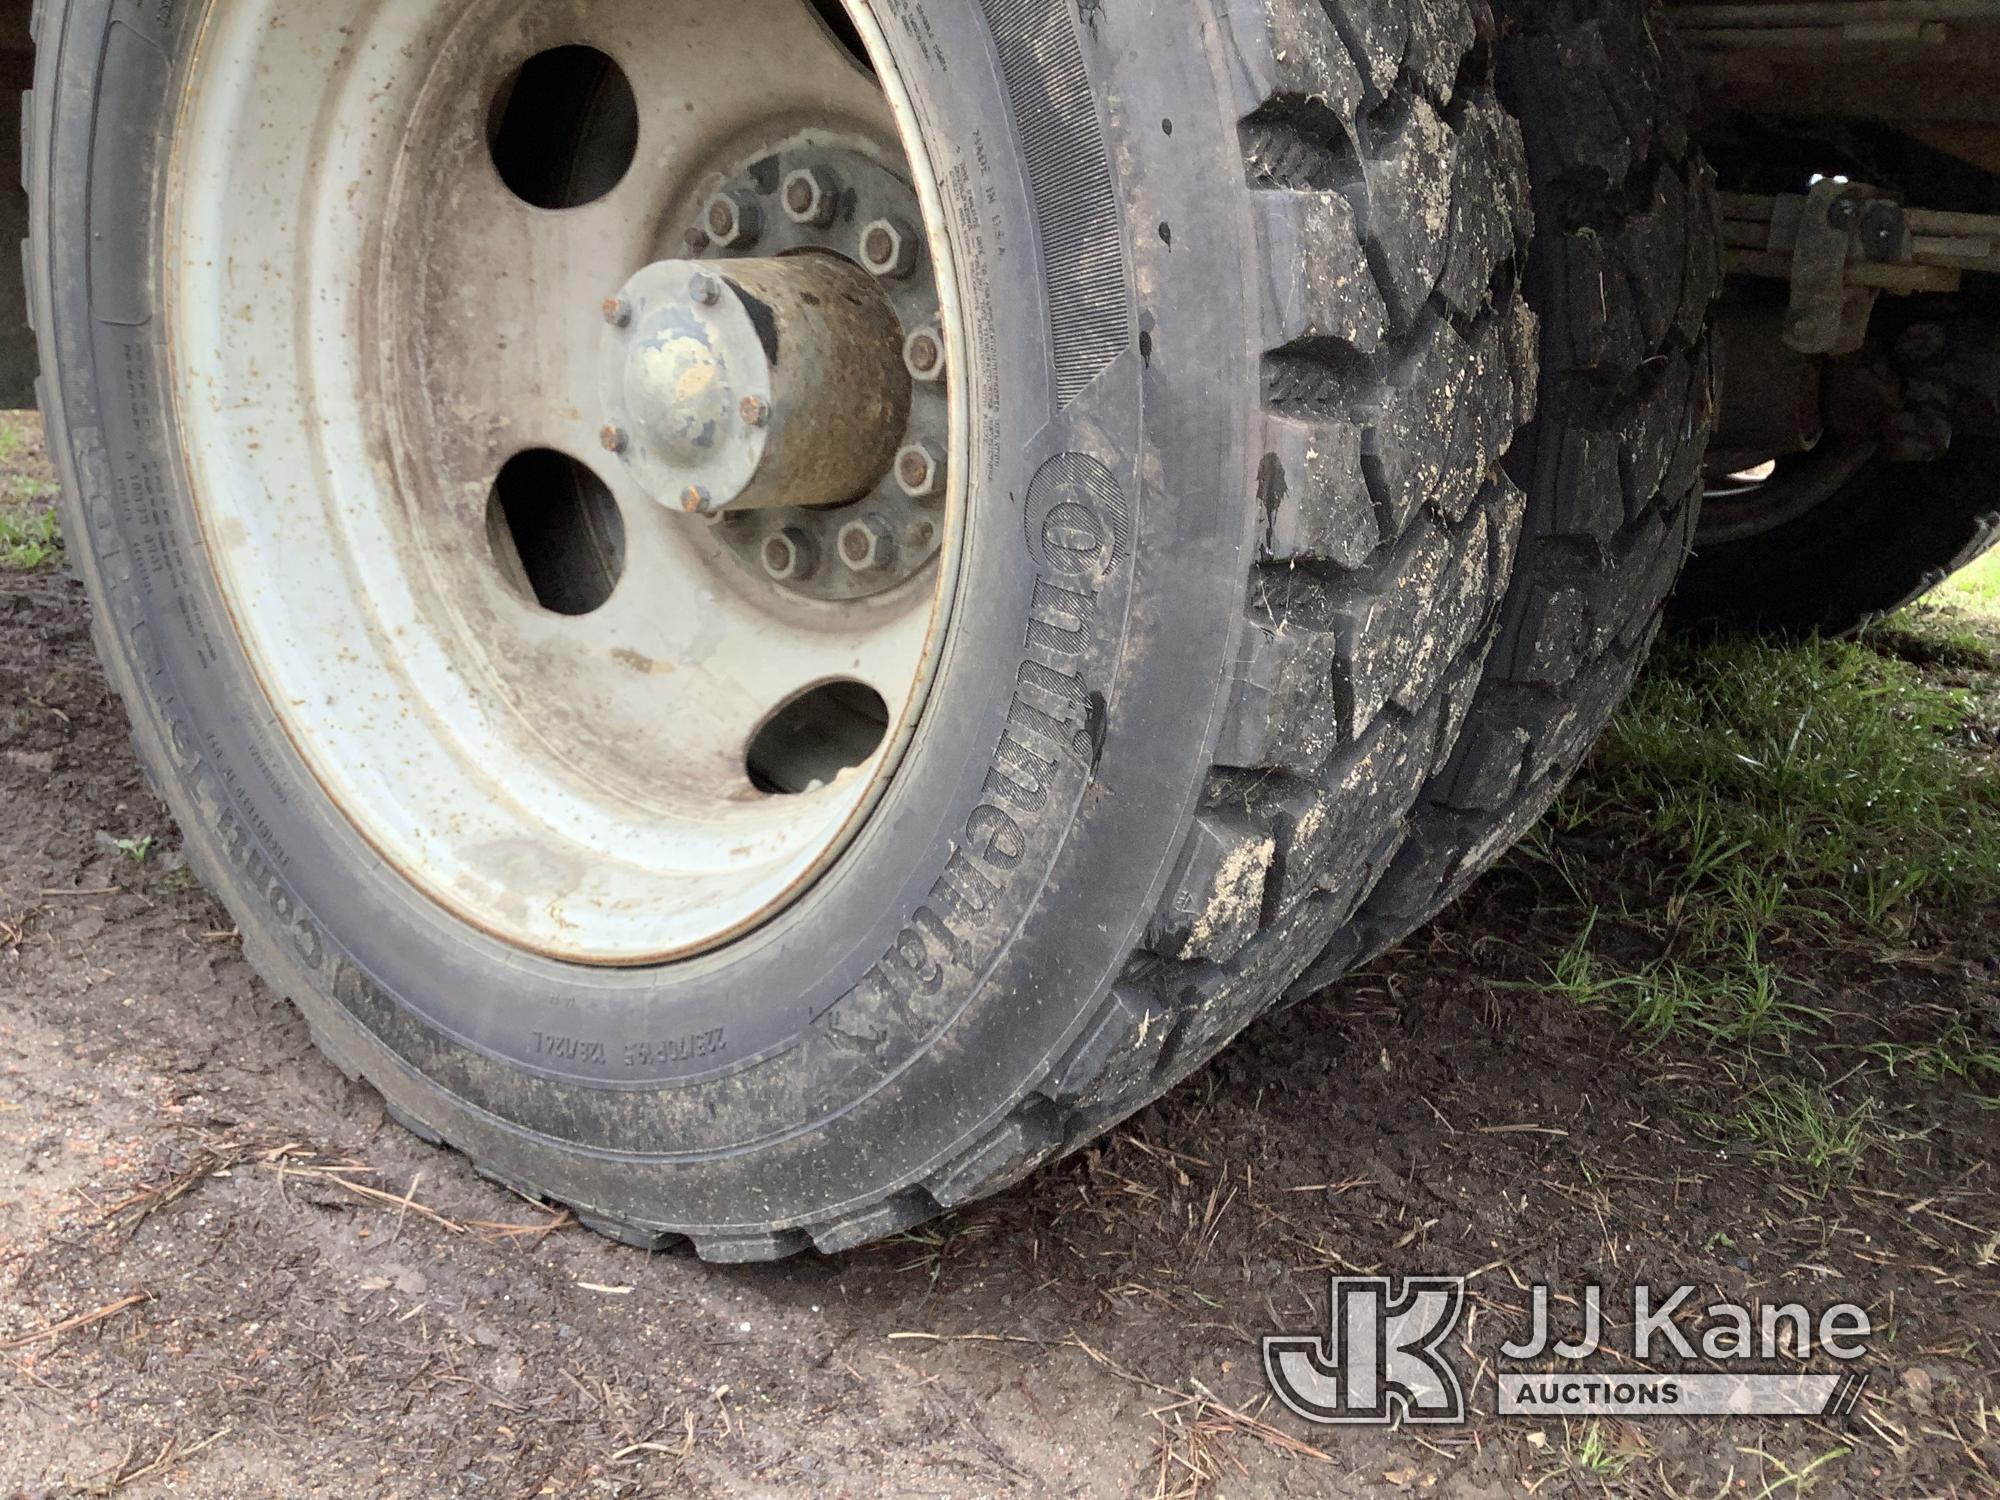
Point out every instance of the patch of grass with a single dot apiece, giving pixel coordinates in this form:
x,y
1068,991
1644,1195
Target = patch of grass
x,y
1801,1125
1784,851
29,540
1741,1001
1797,1482
17,435
1822,769
1958,1053
1598,1454
30,536
1974,591
1955,626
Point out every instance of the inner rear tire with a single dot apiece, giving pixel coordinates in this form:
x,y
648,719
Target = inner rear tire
x,y
1886,537
1625,267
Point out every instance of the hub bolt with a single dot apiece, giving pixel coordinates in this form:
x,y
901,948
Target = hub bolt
x,y
790,556
923,352
867,545
618,312
733,221
755,411
811,198
614,439
705,290
697,501
920,471
889,249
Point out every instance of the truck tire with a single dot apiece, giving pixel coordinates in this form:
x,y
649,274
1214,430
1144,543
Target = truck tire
x,y
1883,538
1158,628
1625,267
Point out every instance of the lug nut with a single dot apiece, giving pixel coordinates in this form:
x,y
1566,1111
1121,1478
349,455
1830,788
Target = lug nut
x,y
920,471
614,439
705,290
889,249
923,353
867,545
697,501
811,198
755,411
733,221
790,556
617,312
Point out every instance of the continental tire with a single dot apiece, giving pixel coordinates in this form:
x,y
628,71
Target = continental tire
x,y
442,625
1625,266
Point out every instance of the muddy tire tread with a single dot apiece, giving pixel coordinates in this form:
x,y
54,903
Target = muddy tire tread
x,y
1612,464
1400,365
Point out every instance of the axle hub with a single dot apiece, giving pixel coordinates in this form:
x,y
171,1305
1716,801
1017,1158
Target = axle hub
x,y
789,380
756,384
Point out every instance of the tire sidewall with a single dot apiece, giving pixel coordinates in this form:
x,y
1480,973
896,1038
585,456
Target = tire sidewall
x,y
902,1008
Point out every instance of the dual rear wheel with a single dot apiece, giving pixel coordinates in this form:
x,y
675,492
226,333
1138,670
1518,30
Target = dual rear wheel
x,y
770,615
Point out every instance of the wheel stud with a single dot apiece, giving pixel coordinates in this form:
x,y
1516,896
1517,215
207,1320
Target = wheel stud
x,y
618,312
867,545
923,352
920,471
790,556
889,249
811,198
755,411
614,439
733,221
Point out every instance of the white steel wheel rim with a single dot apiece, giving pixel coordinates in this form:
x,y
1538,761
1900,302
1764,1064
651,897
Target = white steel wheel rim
x,y
366,325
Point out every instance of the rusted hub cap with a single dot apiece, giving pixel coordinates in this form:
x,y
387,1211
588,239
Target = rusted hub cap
x,y
757,384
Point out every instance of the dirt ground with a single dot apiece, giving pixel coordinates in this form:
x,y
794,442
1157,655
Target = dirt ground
x,y
224,1274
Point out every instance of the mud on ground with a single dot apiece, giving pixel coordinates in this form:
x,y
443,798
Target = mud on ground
x,y
223,1272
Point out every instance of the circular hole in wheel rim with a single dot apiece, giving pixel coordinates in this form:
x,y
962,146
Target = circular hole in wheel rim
x,y
564,129
556,532
817,738
577,784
